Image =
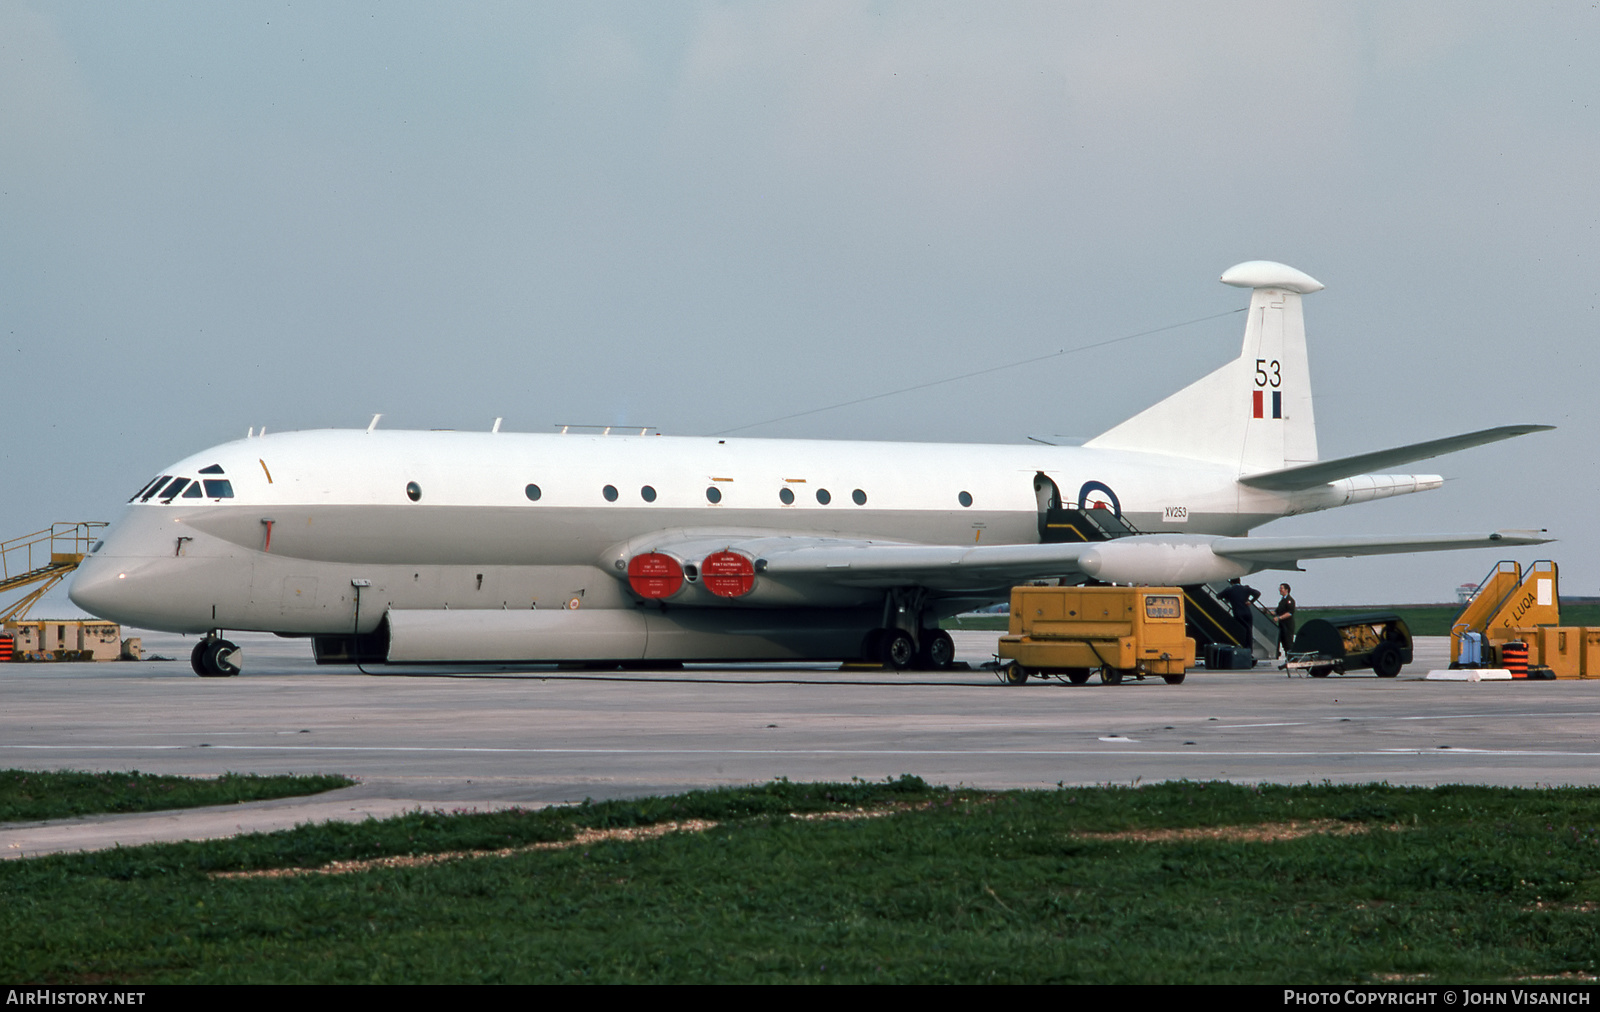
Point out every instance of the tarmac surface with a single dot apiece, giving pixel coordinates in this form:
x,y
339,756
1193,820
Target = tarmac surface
x,y
436,739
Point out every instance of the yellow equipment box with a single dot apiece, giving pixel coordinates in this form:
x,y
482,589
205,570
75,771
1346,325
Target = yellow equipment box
x,y
1072,631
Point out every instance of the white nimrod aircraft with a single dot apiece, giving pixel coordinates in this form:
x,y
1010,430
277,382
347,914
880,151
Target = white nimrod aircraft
x,y
429,547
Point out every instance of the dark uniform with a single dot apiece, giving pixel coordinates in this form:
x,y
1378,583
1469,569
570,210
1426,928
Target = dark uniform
x,y
1239,597
1284,613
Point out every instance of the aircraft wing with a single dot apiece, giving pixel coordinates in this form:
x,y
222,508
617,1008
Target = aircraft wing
x,y
1275,553
938,566
1321,472
811,567
814,561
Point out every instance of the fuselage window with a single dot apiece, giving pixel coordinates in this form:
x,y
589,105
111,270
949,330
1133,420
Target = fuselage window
x,y
713,494
610,492
222,488
859,496
153,489
533,493
786,496
648,493
965,498
173,489
823,497
413,491
97,546
193,491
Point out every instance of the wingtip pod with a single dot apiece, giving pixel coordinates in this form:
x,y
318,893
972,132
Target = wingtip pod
x,y
1269,274
1533,536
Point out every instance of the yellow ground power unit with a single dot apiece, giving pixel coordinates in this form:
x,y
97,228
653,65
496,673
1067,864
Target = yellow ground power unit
x,y
1071,632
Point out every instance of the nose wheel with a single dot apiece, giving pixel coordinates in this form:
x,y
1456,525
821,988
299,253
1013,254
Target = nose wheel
x,y
215,657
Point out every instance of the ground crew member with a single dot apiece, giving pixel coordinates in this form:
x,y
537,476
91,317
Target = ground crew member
x,y
1239,597
1283,614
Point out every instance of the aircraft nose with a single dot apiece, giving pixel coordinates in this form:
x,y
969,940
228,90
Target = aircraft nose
x,y
100,587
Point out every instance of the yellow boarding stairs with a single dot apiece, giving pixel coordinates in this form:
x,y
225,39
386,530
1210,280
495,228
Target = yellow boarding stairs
x,y
42,558
1508,604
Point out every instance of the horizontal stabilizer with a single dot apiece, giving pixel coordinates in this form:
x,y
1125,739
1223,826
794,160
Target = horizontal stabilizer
x,y
1322,472
1281,552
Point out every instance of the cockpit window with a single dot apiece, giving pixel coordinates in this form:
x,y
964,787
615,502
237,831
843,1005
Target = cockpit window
x,y
173,489
193,491
219,488
212,469
153,489
143,490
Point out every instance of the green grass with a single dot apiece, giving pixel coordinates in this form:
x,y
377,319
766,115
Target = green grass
x,y
995,622
1421,619
1461,884
29,796
1436,619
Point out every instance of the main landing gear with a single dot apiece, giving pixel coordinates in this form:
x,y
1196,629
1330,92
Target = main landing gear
x,y
215,657
897,650
904,642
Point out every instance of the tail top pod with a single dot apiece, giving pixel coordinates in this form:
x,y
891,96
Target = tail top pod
x,y
1254,413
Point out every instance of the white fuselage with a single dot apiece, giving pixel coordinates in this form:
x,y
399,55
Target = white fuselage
x,y
315,515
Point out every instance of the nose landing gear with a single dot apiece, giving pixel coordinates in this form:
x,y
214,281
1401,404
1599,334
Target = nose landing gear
x,y
215,657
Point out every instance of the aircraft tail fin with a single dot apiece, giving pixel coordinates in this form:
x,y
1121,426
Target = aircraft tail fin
x,y
1255,412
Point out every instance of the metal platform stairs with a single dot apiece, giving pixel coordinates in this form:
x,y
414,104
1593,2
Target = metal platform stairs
x,y
41,560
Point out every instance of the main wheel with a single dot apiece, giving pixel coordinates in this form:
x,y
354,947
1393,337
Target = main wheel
x,y
1015,674
1077,676
937,651
896,649
1111,676
1386,661
197,659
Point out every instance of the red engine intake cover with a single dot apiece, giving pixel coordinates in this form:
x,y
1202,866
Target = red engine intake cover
x,y
655,575
728,574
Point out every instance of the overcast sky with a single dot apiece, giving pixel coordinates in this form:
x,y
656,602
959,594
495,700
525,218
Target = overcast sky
x,y
699,216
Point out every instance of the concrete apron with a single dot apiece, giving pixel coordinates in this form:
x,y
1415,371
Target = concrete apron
x,y
102,832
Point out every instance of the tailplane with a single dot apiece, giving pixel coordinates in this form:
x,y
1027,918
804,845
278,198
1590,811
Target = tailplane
x,y
1254,413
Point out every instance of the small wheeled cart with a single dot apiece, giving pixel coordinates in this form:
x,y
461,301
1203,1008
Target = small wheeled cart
x,y
1325,646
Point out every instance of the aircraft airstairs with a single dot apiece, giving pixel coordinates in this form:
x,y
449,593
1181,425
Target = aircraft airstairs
x,y
1209,618
41,560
